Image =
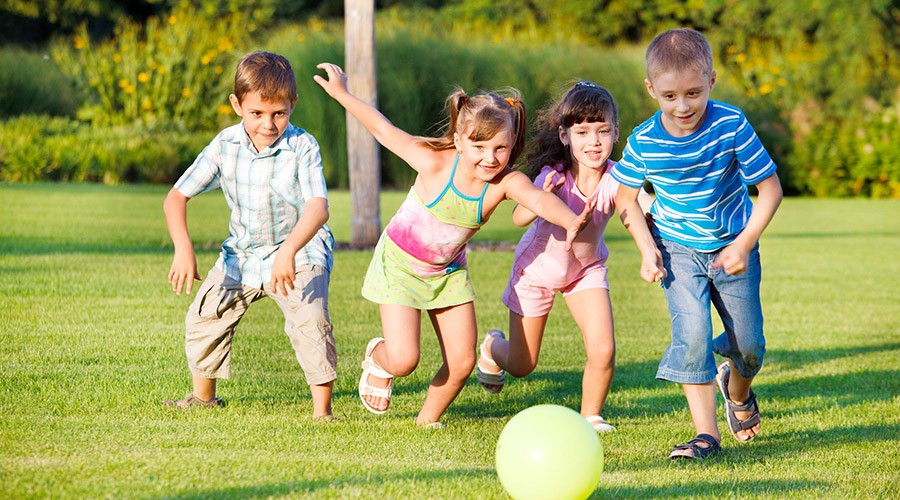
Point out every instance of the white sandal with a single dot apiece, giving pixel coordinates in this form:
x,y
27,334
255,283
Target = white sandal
x,y
371,368
599,424
487,378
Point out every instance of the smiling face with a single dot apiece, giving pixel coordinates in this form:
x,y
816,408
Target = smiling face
x,y
487,157
590,143
264,120
682,97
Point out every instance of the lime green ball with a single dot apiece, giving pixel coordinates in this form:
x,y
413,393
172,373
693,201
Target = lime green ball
x,y
549,451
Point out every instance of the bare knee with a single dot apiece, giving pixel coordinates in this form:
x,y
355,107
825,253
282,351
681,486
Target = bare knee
x,y
602,359
520,369
402,365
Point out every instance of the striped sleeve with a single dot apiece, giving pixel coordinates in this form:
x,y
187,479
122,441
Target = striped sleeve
x,y
755,162
630,170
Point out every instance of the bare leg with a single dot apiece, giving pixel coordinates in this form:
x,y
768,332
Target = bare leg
x,y
321,397
204,388
457,332
739,391
592,311
519,353
399,353
701,400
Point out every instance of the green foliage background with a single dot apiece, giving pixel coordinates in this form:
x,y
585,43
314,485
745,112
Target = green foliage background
x,y
819,79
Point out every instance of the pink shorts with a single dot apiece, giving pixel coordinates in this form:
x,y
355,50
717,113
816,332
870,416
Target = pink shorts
x,y
528,298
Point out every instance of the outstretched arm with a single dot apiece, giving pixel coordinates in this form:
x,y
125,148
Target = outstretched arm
x,y
184,264
632,216
395,139
735,257
547,205
521,216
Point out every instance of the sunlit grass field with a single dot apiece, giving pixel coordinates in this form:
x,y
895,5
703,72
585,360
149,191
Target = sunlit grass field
x,y
91,340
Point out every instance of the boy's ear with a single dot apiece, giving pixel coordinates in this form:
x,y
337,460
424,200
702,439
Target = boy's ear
x,y
294,104
712,80
649,86
235,105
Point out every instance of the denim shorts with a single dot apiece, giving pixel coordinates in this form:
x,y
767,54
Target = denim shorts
x,y
691,288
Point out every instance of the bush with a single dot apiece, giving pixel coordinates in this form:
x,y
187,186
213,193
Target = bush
x,y
177,68
35,148
30,83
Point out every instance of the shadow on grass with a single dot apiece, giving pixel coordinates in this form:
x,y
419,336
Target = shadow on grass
x,y
713,489
314,486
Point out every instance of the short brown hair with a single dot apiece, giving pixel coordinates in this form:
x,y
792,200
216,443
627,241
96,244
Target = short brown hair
x,y
268,74
679,49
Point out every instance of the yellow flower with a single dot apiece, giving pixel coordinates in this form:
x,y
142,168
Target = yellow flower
x,y
172,20
117,57
79,42
143,77
153,64
123,83
225,44
130,89
766,88
782,82
224,109
740,57
219,70
162,70
205,59
146,104
185,92
301,37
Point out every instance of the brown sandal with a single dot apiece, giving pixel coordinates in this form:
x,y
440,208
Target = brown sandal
x,y
190,401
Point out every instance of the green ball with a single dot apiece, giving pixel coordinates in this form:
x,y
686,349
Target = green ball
x,y
549,451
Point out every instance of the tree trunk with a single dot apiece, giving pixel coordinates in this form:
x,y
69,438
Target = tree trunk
x,y
362,149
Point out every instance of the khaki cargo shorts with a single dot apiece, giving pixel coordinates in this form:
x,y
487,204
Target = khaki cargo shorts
x,y
221,303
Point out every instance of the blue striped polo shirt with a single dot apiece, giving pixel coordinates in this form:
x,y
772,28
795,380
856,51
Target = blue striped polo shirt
x,y
700,180
266,192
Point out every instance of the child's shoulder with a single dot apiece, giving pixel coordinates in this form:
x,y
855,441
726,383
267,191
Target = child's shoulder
x,y
297,139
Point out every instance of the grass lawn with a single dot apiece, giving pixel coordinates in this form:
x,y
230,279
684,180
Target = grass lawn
x,y
91,340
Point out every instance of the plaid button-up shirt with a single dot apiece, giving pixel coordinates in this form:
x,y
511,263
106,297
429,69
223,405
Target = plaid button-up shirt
x,y
266,192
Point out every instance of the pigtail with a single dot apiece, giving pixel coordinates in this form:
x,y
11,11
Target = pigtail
x,y
520,125
453,105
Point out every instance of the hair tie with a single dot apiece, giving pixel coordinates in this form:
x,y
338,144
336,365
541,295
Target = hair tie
x,y
585,83
512,102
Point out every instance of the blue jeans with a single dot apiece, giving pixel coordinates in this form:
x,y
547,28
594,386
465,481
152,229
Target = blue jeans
x,y
691,287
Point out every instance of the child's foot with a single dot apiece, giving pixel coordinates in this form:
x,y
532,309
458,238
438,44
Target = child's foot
x,y
599,424
327,419
429,425
491,376
375,384
190,401
742,417
701,447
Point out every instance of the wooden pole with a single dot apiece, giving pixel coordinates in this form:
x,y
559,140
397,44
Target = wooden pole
x,y
362,148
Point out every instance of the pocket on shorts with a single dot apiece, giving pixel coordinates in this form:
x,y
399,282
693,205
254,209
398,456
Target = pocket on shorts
x,y
218,299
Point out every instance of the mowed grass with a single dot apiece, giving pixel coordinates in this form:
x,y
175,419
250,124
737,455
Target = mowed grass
x,y
91,340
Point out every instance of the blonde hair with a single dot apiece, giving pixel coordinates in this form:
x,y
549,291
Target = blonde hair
x,y
677,50
268,74
482,116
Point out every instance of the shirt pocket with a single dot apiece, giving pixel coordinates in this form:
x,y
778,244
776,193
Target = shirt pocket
x,y
287,205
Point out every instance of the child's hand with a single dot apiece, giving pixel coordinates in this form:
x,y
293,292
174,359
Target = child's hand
x,y
583,219
283,272
733,259
551,182
337,79
652,268
183,273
